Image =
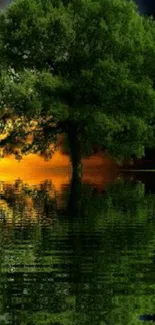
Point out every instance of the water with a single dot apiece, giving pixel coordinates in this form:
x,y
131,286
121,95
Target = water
x,y
84,255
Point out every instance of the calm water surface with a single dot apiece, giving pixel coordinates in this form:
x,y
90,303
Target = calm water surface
x,y
84,255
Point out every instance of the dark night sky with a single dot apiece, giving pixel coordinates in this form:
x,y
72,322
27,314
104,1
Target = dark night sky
x,y
146,6
3,3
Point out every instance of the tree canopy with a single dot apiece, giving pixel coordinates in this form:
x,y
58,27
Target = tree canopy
x,y
84,68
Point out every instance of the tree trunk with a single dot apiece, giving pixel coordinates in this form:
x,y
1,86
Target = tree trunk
x,y
74,139
75,197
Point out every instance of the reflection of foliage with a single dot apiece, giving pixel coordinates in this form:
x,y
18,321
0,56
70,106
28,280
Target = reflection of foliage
x,y
24,203
94,269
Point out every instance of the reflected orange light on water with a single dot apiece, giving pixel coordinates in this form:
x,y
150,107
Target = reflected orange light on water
x,y
34,170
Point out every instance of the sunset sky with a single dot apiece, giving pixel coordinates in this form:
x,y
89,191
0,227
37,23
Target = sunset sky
x,y
34,170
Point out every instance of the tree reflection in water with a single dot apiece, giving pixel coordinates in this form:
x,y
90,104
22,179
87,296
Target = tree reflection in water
x,y
82,256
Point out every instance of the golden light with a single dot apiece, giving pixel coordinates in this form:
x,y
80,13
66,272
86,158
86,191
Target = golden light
x,y
34,170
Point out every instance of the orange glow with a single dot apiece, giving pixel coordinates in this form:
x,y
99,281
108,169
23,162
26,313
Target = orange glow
x,y
34,170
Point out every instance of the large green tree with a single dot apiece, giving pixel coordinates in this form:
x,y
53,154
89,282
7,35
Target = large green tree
x,y
84,68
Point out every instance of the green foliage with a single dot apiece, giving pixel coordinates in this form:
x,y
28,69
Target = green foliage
x,y
86,64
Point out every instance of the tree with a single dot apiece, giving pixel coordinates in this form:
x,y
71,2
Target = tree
x,y
83,68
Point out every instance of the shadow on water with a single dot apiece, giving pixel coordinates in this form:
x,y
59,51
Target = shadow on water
x,y
82,255
146,177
